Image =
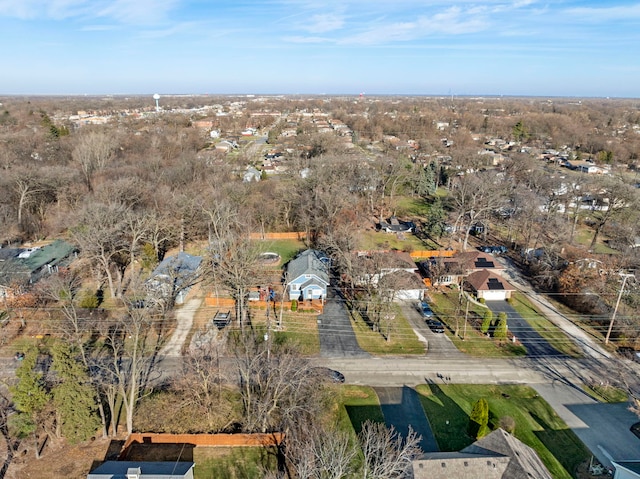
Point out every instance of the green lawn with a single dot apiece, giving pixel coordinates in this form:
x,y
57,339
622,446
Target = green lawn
x,y
474,343
232,462
584,236
402,340
379,240
537,424
286,248
549,331
606,393
360,403
406,206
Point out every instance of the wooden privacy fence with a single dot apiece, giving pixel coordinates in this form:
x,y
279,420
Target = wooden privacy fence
x,y
295,235
436,253
211,440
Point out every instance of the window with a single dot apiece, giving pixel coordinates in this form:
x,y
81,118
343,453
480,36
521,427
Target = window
x,y
295,287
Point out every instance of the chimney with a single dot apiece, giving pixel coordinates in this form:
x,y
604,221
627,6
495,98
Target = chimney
x,y
134,473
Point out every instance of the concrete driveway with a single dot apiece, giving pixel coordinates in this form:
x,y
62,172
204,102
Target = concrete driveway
x,y
536,345
337,338
438,344
603,428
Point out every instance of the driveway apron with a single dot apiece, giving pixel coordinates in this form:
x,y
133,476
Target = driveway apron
x,y
401,408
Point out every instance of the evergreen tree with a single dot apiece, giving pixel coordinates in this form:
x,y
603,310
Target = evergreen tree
x,y
29,396
73,396
479,419
501,328
487,321
435,223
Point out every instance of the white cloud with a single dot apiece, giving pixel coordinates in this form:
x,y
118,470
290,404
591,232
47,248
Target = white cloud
x,y
453,21
138,11
124,11
29,9
303,39
606,14
324,23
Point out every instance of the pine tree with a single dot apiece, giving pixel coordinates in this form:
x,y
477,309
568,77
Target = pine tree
x,y
487,320
30,397
73,396
501,328
479,419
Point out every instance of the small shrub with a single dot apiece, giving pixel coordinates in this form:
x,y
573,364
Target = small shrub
x,y
482,300
501,328
89,300
508,424
479,419
294,305
487,321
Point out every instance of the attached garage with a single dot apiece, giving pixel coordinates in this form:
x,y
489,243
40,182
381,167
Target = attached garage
x,y
488,285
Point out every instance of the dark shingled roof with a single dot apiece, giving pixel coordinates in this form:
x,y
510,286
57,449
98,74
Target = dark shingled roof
x,y
524,463
498,455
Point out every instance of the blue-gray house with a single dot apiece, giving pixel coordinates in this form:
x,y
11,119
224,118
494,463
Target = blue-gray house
x,y
308,275
174,276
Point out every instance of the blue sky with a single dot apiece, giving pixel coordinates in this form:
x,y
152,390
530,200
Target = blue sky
x,y
490,47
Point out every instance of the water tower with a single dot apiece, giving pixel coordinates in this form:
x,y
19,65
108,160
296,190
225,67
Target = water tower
x,y
156,97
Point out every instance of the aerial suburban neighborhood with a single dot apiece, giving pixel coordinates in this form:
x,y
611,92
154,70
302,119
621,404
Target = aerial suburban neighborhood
x,y
196,286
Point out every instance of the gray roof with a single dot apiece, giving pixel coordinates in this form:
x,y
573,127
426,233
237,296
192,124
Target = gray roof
x,y
146,470
498,455
524,463
310,261
449,465
630,466
178,265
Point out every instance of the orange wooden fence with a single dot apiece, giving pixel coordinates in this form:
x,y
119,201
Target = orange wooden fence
x,y
296,235
220,440
440,253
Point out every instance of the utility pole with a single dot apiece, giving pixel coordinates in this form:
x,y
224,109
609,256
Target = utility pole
x,y
625,276
466,317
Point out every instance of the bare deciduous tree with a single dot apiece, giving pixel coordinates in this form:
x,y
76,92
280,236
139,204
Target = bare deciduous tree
x,y
387,455
276,385
92,152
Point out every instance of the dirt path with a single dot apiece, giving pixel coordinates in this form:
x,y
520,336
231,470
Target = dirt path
x,y
184,322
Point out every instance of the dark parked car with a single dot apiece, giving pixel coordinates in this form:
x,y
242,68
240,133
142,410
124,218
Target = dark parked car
x,y
425,309
435,326
329,374
494,249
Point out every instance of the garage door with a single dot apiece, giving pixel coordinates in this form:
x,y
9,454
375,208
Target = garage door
x,y
494,295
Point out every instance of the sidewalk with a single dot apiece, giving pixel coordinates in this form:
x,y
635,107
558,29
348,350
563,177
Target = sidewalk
x,y
588,344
